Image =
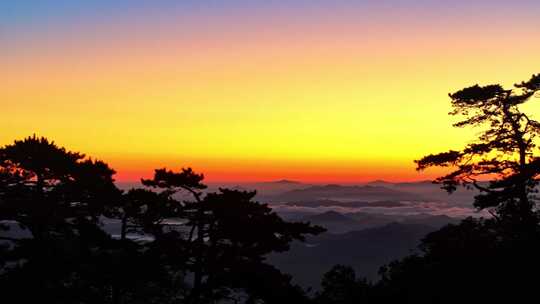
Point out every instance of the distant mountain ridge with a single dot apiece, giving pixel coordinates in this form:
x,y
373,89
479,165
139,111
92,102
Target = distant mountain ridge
x,y
380,182
334,191
330,216
287,190
351,204
284,181
337,222
365,250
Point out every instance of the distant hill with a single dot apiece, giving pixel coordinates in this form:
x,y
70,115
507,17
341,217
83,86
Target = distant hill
x,y
330,216
380,183
435,221
336,222
431,191
286,190
365,250
285,182
332,191
384,183
352,204
272,188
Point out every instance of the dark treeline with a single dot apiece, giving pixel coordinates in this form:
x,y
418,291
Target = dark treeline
x,y
201,250
210,247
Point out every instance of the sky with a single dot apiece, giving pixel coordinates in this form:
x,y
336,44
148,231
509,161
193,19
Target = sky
x,y
317,91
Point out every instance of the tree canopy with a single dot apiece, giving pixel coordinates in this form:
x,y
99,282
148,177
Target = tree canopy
x,y
481,260
69,235
503,153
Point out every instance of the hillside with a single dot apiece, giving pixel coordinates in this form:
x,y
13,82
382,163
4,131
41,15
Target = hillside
x,y
365,250
367,193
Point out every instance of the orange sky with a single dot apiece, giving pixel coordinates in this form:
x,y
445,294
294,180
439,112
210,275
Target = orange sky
x,y
317,95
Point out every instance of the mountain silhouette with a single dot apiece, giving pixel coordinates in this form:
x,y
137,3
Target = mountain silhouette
x,y
365,250
335,222
333,191
352,204
331,216
285,181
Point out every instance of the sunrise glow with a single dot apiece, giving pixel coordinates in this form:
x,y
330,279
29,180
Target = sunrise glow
x,y
315,91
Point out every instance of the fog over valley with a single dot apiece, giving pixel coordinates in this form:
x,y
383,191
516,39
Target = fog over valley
x,y
368,224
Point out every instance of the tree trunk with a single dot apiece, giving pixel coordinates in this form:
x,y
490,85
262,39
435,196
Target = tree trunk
x,y
195,296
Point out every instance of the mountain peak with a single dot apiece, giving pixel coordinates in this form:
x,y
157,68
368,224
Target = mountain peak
x,y
285,181
379,181
330,216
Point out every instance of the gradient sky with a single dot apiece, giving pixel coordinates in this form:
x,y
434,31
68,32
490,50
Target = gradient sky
x,y
319,91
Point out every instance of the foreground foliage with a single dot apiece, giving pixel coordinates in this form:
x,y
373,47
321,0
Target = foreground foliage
x,y
56,205
478,260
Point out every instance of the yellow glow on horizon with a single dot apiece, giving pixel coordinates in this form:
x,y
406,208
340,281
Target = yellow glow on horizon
x,y
313,108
